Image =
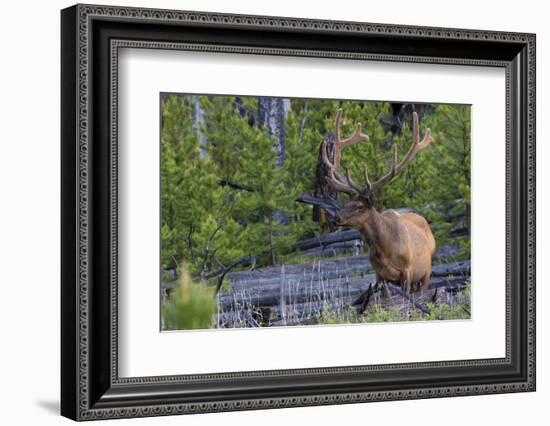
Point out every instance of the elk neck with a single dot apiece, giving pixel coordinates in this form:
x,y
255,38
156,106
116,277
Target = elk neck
x,y
373,228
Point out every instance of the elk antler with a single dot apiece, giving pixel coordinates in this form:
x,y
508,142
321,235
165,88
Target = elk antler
x,y
415,148
338,181
344,183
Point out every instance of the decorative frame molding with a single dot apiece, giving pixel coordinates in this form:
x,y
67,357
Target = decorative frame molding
x,y
91,37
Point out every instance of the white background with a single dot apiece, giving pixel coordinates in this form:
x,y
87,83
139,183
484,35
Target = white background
x,y
141,345
29,225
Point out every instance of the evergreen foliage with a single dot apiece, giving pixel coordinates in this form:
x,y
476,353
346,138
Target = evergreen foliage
x,y
208,224
190,306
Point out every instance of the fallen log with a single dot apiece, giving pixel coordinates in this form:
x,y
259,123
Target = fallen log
x,y
320,291
311,311
446,252
328,271
331,205
327,239
349,248
295,314
332,274
446,269
272,296
244,261
397,290
328,278
315,271
450,285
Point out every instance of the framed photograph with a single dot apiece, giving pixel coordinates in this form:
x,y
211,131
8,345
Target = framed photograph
x,y
263,212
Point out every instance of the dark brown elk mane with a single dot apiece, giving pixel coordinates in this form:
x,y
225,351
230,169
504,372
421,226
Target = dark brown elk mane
x,y
401,245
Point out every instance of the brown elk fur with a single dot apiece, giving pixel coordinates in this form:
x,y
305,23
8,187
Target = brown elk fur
x,y
401,245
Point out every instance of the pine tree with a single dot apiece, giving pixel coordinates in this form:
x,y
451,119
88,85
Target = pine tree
x,y
193,204
220,199
245,155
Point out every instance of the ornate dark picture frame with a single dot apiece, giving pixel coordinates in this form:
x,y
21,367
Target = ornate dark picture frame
x,y
90,385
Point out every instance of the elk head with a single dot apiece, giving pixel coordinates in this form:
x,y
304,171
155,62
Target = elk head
x,y
362,197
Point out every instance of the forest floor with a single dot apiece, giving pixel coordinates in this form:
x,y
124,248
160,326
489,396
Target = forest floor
x,y
335,287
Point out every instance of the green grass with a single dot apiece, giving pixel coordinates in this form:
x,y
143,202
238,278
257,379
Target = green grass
x,y
376,313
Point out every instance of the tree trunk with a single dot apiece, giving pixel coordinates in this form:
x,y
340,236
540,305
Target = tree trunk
x,y
272,113
198,119
321,188
402,113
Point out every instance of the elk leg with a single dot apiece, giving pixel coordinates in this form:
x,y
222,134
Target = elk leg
x,y
425,281
386,290
376,289
381,285
406,282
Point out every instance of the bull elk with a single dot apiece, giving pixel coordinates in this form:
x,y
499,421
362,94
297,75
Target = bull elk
x,y
401,245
